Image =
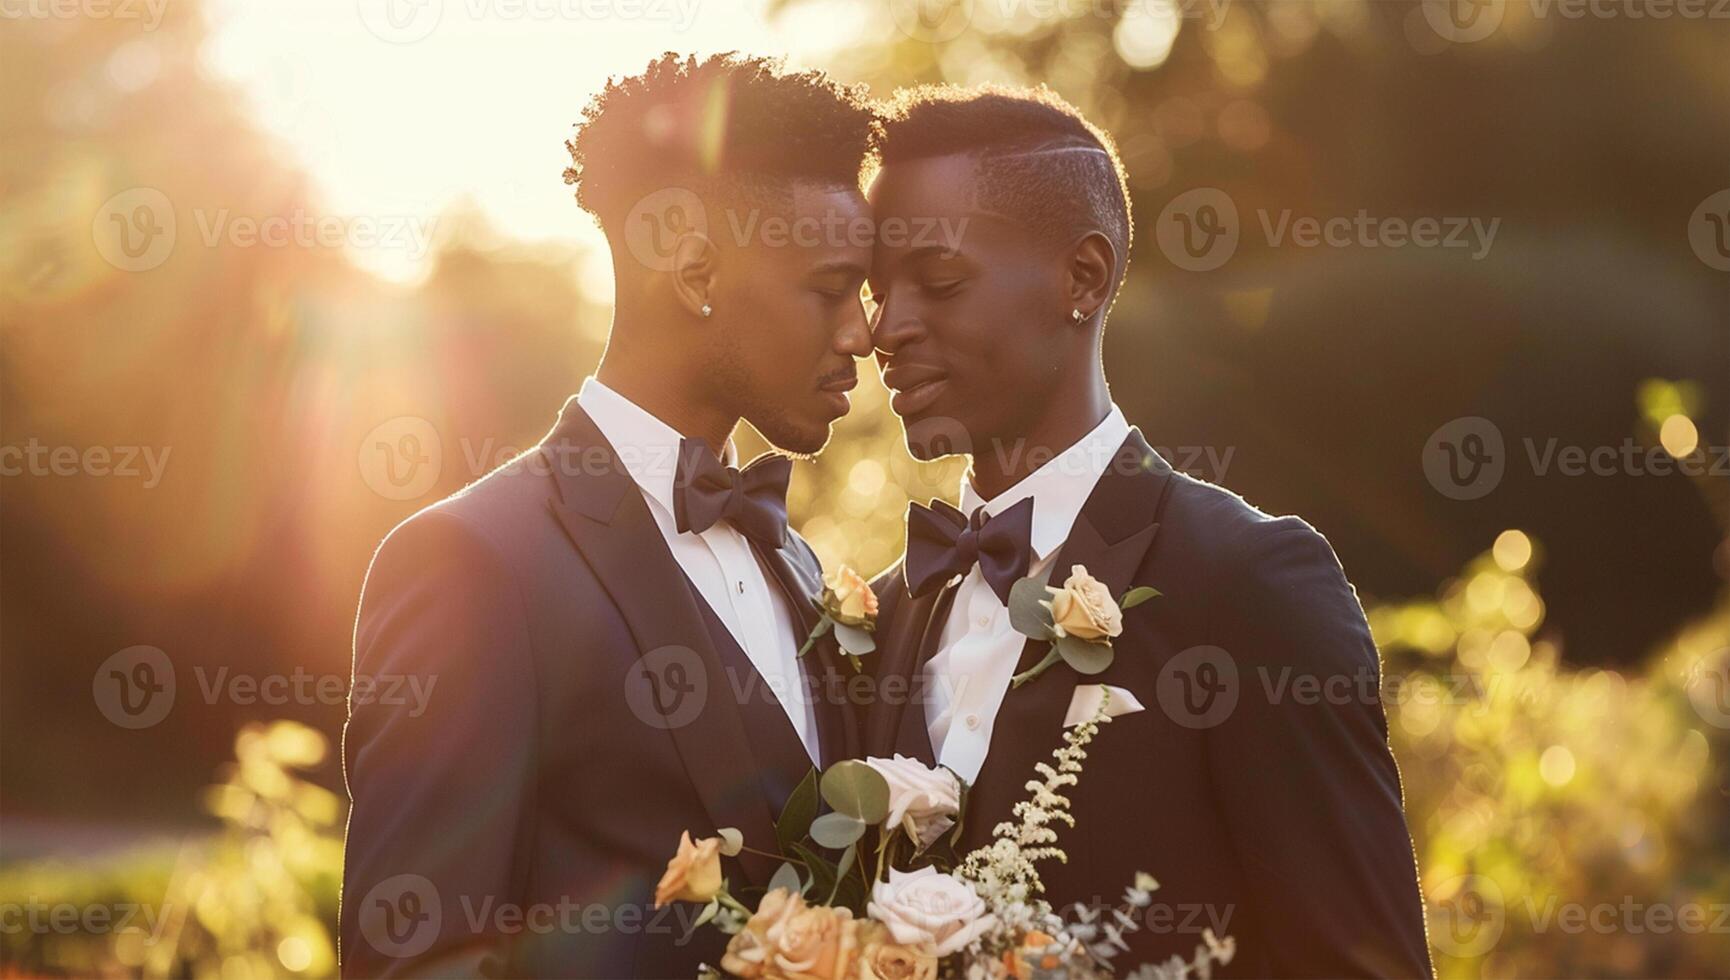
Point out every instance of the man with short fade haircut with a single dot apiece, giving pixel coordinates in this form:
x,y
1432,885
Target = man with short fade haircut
x,y
614,617
1274,818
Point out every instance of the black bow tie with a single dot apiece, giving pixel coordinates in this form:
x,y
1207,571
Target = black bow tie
x,y
942,543
753,499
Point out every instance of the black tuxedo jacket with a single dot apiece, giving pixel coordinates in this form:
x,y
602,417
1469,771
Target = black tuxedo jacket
x,y
586,710
1272,819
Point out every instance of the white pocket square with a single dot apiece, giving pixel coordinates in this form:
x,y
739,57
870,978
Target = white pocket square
x,y
1084,704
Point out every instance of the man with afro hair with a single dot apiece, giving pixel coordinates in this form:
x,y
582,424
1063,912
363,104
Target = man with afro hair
x,y
614,618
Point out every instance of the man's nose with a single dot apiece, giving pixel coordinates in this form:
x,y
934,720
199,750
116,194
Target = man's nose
x,y
854,337
896,326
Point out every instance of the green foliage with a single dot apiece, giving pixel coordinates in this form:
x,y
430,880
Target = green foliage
x,y
256,899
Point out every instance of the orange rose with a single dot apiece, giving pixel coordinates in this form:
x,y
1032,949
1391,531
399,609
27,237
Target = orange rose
x,y
882,958
694,874
848,598
750,952
819,942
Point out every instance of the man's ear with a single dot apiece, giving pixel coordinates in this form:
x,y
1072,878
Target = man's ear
x,y
695,259
1091,268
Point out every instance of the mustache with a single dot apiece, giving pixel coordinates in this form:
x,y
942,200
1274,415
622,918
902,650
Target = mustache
x,y
848,373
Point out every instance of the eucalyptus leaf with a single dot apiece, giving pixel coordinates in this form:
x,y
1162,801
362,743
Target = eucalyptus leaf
x,y
1084,657
856,789
841,869
732,841
1025,612
823,874
837,830
797,813
854,640
787,876
704,916
1136,596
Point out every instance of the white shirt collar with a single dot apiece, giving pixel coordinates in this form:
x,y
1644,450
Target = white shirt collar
x,y
647,446
1060,487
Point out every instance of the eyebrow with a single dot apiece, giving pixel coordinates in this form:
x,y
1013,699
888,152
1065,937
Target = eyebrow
x,y
838,265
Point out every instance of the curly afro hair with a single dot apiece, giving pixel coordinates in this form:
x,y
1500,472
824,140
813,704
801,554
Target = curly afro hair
x,y
730,123
1039,159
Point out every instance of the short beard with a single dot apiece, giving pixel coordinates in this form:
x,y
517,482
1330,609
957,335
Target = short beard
x,y
731,381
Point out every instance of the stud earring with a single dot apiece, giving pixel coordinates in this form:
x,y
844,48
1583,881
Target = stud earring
x,y
707,310
1075,315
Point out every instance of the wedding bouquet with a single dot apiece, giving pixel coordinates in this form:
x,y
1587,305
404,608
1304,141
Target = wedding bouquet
x,y
898,903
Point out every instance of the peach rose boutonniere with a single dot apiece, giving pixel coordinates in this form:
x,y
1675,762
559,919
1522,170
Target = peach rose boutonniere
x,y
693,874
849,609
1079,620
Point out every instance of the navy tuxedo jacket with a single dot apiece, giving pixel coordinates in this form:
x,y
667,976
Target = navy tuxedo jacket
x,y
1269,814
585,711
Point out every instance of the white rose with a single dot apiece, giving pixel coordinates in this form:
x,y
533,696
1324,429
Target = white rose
x,y
922,800
933,911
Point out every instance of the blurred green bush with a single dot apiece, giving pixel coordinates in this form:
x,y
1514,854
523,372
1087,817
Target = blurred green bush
x,y
1568,822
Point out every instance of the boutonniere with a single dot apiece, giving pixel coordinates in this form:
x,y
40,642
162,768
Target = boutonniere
x,y
849,608
1078,620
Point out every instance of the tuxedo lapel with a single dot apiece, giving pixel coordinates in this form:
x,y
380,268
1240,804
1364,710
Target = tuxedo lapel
x,y
1111,537
898,720
801,579
610,524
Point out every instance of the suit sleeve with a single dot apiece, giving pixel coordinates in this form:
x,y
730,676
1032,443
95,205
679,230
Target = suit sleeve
x,y
439,785
1311,791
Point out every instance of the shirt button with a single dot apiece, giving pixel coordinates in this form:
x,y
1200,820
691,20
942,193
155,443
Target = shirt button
x,y
983,621
741,585
972,722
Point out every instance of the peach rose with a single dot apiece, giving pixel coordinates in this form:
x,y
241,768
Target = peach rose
x,y
1084,608
849,598
818,942
750,951
693,874
882,958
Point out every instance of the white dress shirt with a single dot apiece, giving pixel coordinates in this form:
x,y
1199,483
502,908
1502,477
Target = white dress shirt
x,y
719,561
978,649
